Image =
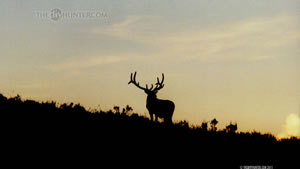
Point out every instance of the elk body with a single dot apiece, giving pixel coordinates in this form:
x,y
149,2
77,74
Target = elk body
x,y
159,108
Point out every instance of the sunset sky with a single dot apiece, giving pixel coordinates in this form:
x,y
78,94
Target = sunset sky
x,y
234,60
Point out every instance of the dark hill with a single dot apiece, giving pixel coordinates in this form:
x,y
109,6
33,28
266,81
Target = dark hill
x,y
70,129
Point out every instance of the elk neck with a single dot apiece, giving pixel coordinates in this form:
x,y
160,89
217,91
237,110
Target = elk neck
x,y
151,98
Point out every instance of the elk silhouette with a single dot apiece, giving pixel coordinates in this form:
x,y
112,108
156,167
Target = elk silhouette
x,y
160,108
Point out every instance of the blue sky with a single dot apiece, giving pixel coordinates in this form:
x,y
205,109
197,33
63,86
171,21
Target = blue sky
x,y
233,60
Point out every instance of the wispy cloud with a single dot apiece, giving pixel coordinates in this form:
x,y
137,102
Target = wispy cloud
x,y
132,27
85,62
251,39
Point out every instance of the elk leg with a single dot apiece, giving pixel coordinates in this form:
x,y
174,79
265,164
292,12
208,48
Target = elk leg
x,y
169,120
151,116
156,118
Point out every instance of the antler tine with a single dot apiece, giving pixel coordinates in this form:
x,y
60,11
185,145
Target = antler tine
x,y
162,81
134,76
159,85
151,87
130,79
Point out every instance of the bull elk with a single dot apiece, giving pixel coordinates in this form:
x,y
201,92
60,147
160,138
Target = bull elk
x,y
160,108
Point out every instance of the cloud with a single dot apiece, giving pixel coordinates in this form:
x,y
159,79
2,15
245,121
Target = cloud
x,y
251,39
258,58
124,28
291,126
137,28
85,62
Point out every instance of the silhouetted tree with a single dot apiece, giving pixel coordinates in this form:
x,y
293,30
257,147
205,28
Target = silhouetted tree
x,y
213,124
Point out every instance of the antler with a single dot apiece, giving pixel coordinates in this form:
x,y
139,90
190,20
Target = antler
x,y
133,81
159,85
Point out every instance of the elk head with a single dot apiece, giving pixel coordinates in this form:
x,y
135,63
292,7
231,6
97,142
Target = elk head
x,y
160,108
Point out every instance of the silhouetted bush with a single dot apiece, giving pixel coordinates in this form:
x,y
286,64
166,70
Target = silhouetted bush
x,y
231,128
204,126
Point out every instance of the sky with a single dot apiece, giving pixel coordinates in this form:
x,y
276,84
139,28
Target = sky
x,y
231,60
